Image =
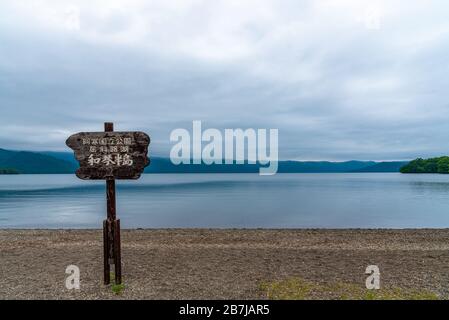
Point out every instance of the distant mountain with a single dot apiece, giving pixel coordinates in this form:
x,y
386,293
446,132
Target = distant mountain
x,y
322,166
64,162
164,165
391,166
33,162
66,156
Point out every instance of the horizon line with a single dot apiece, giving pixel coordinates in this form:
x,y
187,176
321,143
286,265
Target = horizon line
x,y
281,160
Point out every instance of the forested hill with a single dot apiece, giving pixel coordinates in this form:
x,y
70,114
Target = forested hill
x,y
387,166
432,165
64,162
33,162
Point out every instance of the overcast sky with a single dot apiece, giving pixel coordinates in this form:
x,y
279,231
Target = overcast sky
x,y
339,79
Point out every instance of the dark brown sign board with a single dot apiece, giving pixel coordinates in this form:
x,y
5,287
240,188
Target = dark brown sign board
x,y
108,156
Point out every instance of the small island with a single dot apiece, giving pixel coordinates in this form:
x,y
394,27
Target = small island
x,y
431,165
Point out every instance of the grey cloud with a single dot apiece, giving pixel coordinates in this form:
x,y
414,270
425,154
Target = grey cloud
x,y
334,89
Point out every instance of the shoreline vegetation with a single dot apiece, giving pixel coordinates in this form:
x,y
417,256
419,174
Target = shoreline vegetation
x,y
9,171
230,264
431,165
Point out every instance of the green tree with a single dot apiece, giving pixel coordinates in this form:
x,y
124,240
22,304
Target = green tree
x,y
432,165
443,165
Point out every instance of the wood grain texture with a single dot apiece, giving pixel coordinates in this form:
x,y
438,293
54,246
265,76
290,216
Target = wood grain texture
x,y
92,149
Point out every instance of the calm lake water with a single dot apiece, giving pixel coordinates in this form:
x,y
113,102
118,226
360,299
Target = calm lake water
x,y
346,200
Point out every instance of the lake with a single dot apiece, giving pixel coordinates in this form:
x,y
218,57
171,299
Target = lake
x,y
321,200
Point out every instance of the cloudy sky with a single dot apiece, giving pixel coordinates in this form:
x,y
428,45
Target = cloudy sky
x,y
339,79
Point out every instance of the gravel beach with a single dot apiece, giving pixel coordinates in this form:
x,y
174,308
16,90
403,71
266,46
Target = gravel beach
x,y
219,263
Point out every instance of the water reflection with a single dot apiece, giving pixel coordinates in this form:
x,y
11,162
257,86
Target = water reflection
x,y
373,200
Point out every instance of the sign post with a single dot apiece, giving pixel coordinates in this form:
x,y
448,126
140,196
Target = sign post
x,y
109,156
111,229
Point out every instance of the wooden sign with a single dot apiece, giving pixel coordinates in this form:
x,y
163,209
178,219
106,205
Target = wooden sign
x,y
110,155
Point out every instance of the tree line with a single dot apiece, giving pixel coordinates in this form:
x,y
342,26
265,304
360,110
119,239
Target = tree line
x,y
8,171
432,165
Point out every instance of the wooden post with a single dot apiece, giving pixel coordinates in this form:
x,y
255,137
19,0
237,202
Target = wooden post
x,y
110,195
117,252
111,229
109,163
107,267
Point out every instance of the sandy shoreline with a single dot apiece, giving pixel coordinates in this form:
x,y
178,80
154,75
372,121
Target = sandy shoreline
x,y
219,263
